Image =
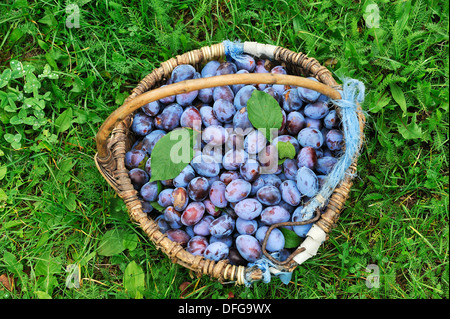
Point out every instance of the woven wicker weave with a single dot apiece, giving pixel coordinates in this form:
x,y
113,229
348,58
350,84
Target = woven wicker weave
x,y
114,139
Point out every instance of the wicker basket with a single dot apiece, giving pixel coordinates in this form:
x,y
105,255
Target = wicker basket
x,y
114,139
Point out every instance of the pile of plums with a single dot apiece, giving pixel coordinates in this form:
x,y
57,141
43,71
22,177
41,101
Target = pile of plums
x,y
222,203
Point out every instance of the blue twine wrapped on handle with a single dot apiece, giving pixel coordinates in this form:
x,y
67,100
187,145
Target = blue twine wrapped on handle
x,y
233,50
352,94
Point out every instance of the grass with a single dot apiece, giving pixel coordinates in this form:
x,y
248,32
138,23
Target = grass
x,y
56,210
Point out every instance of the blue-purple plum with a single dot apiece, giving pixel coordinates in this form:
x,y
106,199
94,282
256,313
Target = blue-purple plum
x,y
275,240
250,170
162,224
248,208
268,195
198,188
233,159
245,226
224,110
334,140
237,190
245,62
172,217
290,168
208,117
210,208
216,251
169,118
215,135
223,92
307,182
241,121
134,158
331,120
180,198
295,122
242,96
310,137
165,198
307,157
249,247
226,68
228,176
193,213
222,226
313,123
205,165
138,177
279,69
202,227
150,140
308,95
316,110
290,193
205,95
151,109
210,69
191,117
185,176
197,245
149,191
325,164
255,142
291,100
142,124
217,194
274,215
182,72
297,216
179,236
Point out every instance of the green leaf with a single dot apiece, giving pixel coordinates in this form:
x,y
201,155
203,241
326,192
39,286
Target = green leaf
x,y
134,280
285,150
3,171
264,113
42,295
291,239
409,131
172,153
111,243
14,140
64,121
3,196
398,96
70,202
5,77
130,241
156,206
48,73
32,84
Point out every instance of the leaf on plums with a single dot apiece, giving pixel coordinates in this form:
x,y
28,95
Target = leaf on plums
x,y
264,113
291,239
156,206
172,153
285,150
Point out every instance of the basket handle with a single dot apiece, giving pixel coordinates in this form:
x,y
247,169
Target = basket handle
x,y
192,85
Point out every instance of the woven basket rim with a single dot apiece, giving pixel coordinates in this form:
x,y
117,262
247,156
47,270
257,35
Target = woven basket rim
x,y
114,171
